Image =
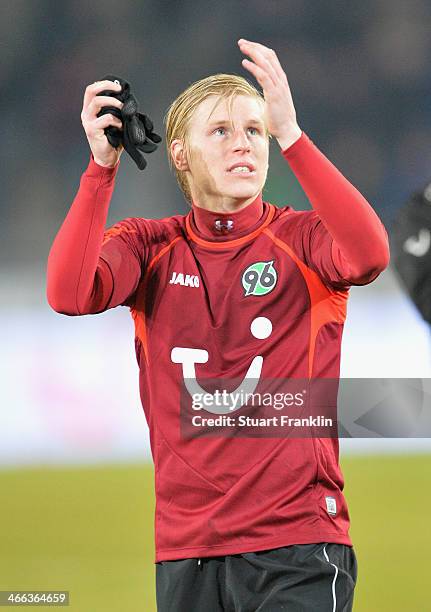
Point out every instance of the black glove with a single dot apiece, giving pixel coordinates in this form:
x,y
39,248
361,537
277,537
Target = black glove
x,y
137,136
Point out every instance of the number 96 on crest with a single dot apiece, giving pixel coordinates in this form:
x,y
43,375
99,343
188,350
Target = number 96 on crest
x,y
259,278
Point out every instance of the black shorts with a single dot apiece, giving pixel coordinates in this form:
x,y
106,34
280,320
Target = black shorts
x,y
299,578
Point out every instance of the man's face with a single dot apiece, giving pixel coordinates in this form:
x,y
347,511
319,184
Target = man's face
x,y
223,140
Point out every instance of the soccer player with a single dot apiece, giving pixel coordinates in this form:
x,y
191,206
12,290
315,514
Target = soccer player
x,y
237,285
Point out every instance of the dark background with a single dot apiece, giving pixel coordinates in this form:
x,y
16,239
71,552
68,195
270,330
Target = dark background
x,y
359,74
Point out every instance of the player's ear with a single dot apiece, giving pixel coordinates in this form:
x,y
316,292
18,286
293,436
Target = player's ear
x,y
179,155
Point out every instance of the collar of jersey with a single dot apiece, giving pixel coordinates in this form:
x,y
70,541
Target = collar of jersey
x,y
226,241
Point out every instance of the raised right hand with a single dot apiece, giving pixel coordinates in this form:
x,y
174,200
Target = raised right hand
x,y
104,154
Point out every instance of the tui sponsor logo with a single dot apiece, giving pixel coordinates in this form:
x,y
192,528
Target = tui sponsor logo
x,y
261,328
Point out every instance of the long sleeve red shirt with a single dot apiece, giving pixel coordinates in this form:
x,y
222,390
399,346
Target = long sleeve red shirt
x,y
203,310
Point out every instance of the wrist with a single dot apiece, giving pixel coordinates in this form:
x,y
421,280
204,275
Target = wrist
x,y
102,164
95,169
289,137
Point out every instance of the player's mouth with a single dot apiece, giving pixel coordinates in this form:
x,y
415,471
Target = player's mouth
x,y
242,170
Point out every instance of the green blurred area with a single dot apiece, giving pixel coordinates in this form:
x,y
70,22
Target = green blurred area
x,y
90,531
282,187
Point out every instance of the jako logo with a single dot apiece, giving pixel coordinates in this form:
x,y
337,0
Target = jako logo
x,y
187,280
259,278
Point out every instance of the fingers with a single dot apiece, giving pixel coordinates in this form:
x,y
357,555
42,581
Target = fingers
x,y
262,76
261,60
95,128
99,102
92,90
149,126
105,121
264,57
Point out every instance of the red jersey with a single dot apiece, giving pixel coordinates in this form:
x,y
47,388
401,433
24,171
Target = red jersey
x,y
202,310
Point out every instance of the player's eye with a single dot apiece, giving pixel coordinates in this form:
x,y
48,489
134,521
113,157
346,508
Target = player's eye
x,y
222,131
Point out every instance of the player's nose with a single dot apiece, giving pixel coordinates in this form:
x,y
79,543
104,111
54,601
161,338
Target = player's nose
x,y
240,141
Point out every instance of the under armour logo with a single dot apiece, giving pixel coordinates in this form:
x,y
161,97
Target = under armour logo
x,y
223,226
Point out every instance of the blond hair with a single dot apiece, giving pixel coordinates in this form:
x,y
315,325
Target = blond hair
x,y
179,113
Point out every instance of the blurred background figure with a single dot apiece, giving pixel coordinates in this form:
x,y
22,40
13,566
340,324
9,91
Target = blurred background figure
x,y
74,449
411,254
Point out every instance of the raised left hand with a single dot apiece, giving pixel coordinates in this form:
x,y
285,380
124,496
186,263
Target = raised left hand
x,y
280,110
